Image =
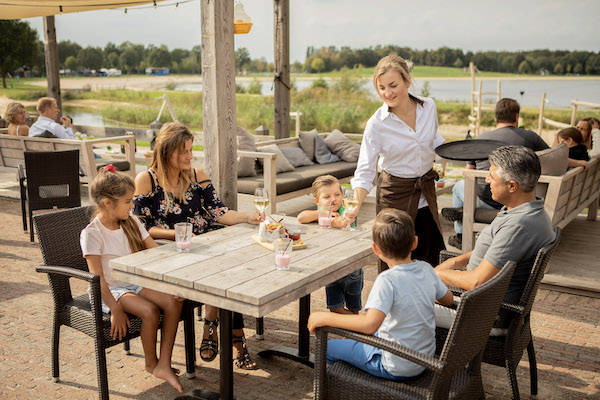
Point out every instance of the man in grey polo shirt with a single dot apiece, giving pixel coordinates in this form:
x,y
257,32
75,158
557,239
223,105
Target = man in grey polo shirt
x,y
520,229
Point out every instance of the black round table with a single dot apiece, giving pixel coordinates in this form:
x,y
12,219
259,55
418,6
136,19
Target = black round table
x,y
468,150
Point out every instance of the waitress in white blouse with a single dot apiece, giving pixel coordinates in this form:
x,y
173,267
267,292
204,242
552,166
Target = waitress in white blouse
x,y
402,134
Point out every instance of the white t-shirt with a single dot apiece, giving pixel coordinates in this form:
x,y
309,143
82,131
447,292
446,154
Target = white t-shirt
x,y
406,294
98,240
402,151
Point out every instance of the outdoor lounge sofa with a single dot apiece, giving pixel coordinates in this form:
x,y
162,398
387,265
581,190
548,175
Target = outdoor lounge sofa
x,y
286,185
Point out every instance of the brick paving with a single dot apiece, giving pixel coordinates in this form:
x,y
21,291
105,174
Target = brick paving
x,y
566,332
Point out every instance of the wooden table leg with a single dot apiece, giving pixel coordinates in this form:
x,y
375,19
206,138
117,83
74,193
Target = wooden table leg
x,y
302,353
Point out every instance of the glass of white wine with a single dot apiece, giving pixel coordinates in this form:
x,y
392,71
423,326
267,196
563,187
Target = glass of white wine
x,y
261,199
351,204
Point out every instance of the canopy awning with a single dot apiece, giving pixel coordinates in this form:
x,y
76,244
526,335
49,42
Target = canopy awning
x,y
14,9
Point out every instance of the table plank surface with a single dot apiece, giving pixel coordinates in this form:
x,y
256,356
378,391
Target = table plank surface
x,y
226,268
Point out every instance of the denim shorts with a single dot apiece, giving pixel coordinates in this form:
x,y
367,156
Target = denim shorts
x,y
346,292
118,291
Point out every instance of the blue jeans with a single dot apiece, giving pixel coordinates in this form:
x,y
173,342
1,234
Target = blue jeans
x,y
360,355
346,292
458,199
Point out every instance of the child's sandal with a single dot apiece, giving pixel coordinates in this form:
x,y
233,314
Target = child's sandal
x,y
210,345
243,360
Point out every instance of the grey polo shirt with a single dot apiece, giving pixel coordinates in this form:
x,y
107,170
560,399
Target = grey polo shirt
x,y
514,235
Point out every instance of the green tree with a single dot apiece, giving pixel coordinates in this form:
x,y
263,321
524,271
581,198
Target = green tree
x,y
317,64
66,49
559,69
578,69
524,67
90,57
18,46
129,60
72,63
159,57
242,57
458,63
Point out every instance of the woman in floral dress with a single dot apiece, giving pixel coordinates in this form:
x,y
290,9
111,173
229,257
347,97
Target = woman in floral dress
x,y
171,191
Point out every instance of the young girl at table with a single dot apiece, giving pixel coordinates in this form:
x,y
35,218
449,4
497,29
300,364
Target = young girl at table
x,y
114,232
399,308
343,295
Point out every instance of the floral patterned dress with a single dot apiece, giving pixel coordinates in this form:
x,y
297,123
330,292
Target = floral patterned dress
x,y
202,210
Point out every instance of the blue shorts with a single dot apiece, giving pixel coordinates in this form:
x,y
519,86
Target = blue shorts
x,y
118,291
360,355
346,292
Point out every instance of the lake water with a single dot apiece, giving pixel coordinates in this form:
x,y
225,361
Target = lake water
x,y
528,92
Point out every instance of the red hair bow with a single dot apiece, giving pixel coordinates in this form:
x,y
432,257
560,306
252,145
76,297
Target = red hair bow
x,y
110,168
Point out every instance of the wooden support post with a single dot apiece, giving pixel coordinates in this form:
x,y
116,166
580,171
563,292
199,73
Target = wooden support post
x,y
499,90
281,12
541,118
218,96
574,112
51,57
478,123
472,72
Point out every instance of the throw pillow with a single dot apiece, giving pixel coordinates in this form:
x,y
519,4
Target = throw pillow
x,y
246,165
554,160
343,147
296,156
322,153
307,142
281,163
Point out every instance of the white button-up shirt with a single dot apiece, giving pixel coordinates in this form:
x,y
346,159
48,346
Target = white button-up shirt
x,y
46,124
402,151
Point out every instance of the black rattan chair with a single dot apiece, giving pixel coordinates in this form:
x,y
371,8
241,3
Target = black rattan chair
x,y
455,373
52,181
58,234
506,351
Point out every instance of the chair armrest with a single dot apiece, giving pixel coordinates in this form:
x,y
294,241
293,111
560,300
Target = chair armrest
x,y
256,154
69,272
394,348
477,173
513,307
446,254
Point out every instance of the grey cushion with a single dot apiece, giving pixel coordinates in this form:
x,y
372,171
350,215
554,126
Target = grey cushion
x,y
322,153
296,156
246,165
343,147
300,178
307,143
281,163
554,160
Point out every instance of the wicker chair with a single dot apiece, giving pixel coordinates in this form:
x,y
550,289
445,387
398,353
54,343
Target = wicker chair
x,y
456,373
506,351
58,234
52,181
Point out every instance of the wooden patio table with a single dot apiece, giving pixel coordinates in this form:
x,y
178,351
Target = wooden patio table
x,y
226,268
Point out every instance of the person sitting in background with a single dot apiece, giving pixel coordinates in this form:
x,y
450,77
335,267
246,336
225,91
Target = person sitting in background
x,y
507,131
49,110
573,139
16,115
584,125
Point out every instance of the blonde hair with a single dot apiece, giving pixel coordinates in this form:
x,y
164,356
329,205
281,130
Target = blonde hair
x,y
393,63
171,139
44,103
113,186
322,181
12,109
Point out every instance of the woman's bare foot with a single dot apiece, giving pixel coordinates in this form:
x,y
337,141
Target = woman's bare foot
x,y
168,375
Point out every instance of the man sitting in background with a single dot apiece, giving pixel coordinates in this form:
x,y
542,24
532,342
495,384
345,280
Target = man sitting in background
x,y
507,131
46,124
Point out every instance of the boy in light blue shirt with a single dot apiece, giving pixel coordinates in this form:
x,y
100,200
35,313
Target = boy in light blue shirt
x,y
399,308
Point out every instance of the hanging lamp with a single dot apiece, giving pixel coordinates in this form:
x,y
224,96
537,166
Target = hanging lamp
x,y
241,21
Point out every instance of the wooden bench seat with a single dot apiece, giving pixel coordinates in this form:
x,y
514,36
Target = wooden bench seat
x,y
566,196
12,149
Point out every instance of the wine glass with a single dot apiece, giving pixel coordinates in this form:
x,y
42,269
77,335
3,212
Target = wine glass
x,y
350,204
261,199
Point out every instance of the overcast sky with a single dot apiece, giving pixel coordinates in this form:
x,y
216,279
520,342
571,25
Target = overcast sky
x,y
465,24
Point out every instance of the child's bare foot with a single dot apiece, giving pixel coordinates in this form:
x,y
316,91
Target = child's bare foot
x,y
168,375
